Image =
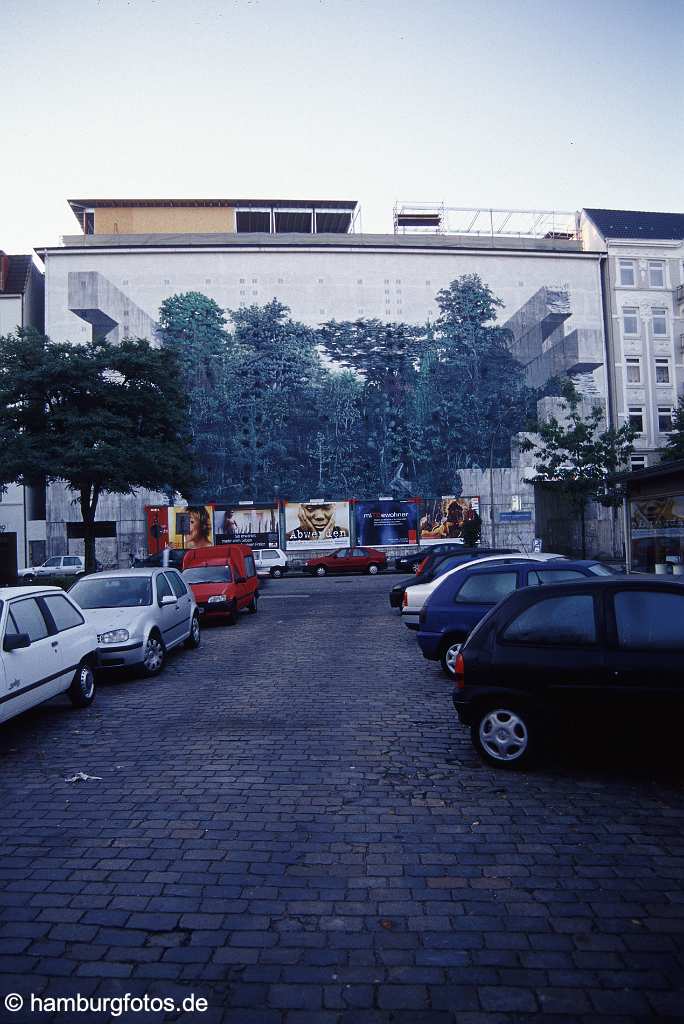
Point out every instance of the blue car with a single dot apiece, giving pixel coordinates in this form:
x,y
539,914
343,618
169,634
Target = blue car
x,y
458,604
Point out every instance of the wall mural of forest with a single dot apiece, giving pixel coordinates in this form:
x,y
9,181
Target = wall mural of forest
x,y
361,408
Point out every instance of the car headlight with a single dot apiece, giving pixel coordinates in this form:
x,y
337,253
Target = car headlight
x,y
218,599
114,636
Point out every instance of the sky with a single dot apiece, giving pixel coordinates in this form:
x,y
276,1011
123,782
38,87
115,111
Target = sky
x,y
544,104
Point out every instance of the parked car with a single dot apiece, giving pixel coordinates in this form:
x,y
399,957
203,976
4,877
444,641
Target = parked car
x,y
59,565
270,562
415,597
347,560
47,648
439,563
163,559
594,650
139,615
223,579
459,602
408,563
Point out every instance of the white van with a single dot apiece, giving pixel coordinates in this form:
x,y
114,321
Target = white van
x,y
270,562
46,648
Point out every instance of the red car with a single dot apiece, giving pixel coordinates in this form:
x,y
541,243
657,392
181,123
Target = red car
x,y
348,560
223,580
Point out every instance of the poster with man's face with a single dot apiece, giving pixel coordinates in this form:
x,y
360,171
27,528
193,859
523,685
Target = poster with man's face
x,y
190,526
253,525
385,521
317,524
443,518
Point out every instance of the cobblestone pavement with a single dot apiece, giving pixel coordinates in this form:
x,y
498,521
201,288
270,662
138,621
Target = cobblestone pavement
x,y
290,823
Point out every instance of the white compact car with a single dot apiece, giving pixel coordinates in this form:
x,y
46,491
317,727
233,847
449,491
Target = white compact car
x,y
415,597
270,562
139,615
47,648
59,565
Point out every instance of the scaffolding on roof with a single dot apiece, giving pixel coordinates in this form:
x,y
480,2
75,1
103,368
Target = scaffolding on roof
x,y
438,218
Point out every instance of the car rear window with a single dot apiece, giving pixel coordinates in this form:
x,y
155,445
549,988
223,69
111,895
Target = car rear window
x,y
487,587
647,620
560,621
541,576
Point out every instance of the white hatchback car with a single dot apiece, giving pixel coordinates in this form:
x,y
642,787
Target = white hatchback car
x,y
415,597
58,565
47,648
139,615
270,562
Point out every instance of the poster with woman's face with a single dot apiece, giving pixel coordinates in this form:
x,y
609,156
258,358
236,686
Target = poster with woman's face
x,y
190,527
317,524
443,518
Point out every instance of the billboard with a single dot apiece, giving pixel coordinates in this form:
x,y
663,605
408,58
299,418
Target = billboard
x,y
190,526
316,524
157,528
386,521
256,525
443,518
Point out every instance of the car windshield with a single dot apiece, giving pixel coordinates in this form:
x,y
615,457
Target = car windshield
x,y
601,570
113,592
209,574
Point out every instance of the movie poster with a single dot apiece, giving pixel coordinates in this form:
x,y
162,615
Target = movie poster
x,y
386,521
246,524
190,526
157,528
317,524
443,518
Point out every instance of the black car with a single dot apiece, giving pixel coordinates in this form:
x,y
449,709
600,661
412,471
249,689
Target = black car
x,y
408,563
438,562
570,652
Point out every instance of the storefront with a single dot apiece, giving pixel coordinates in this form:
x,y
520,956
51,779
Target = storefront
x,y
654,518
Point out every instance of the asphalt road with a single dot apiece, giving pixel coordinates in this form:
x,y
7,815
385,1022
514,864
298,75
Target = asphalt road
x,y
290,823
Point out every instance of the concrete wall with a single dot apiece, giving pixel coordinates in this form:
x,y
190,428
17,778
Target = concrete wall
x,y
140,220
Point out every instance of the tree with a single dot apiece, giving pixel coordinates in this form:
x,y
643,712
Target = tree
x,y
103,418
193,326
576,459
674,449
385,357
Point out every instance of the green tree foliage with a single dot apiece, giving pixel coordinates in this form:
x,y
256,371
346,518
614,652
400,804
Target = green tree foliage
x,y
103,418
193,327
576,459
477,395
674,449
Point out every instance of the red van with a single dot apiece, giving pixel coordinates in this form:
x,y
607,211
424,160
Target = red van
x,y
223,579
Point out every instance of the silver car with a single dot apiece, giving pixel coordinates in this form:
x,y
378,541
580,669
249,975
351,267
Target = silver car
x,y
139,615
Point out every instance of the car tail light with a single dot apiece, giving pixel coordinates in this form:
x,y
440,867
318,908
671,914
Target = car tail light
x,y
459,672
404,600
420,566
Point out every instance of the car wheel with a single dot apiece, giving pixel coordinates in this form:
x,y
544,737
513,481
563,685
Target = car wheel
x,y
372,570
504,736
276,573
28,579
193,641
448,656
155,655
321,570
252,607
82,689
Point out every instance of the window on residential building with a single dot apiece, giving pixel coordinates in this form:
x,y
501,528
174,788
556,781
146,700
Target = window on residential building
x,y
656,273
662,369
626,272
664,419
633,370
630,320
636,418
659,321
638,462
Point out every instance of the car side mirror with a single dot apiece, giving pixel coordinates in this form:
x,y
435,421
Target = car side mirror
x,y
14,641
241,579
167,599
